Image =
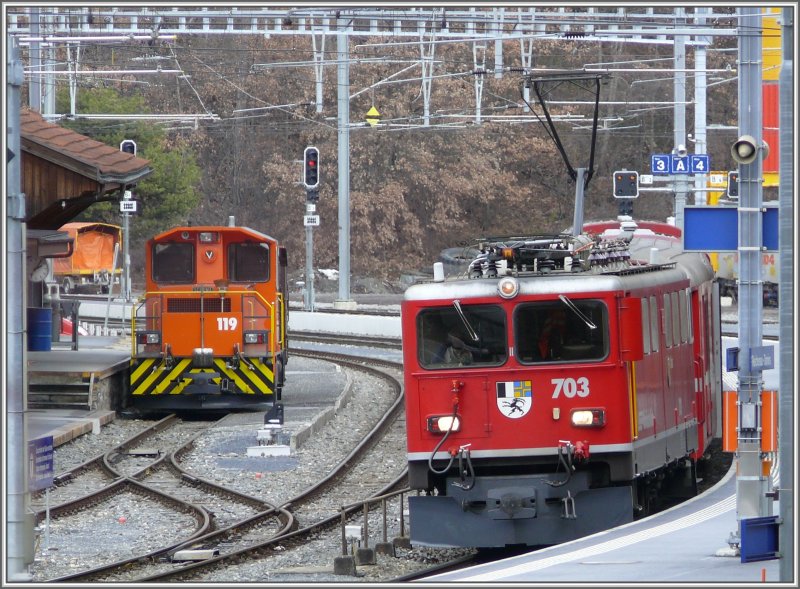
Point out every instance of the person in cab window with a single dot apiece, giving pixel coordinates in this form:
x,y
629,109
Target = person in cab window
x,y
453,351
552,335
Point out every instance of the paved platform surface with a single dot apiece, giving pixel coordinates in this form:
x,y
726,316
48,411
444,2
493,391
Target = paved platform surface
x,y
686,544
101,356
65,424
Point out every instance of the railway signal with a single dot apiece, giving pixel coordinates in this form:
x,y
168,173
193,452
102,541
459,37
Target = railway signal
x,y
128,146
626,207
626,184
311,168
733,184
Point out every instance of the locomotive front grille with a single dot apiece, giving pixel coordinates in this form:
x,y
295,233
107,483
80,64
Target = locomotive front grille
x,y
192,305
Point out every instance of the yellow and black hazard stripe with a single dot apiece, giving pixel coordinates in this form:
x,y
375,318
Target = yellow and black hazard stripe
x,y
149,376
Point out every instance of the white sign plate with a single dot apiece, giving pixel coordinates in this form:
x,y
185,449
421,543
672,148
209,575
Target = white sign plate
x,y
311,220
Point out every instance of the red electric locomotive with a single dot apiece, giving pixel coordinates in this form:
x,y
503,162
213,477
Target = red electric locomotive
x,y
210,330
563,387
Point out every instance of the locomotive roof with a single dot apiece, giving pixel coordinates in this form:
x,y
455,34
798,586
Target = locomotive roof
x,y
220,228
654,259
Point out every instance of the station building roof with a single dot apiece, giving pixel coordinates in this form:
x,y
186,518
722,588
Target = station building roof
x,y
64,172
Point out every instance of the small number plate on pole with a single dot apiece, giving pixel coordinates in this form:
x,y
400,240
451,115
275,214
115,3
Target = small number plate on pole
x,y
127,206
311,220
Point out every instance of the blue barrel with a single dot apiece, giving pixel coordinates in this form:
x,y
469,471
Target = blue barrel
x,y
40,326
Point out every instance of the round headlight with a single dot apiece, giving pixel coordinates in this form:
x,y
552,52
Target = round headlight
x,y
508,287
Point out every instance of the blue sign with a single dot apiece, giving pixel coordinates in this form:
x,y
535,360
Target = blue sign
x,y
679,164
762,358
716,229
659,164
732,360
40,463
769,229
699,163
665,163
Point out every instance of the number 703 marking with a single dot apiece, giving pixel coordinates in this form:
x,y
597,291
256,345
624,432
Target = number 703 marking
x,y
570,387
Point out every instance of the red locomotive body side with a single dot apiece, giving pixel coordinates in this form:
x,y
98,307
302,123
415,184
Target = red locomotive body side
x,y
542,405
210,330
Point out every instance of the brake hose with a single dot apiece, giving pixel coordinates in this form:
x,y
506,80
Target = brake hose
x,y
439,445
567,466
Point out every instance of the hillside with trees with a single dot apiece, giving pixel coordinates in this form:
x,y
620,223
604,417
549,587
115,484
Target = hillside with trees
x,y
414,190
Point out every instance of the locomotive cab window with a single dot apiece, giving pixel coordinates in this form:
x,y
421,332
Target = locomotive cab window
x,y
248,262
553,331
173,263
461,335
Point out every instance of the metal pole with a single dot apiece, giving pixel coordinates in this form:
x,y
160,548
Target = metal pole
x,y
577,220
126,250
35,84
126,258
319,58
498,45
751,500
700,98
16,375
787,244
343,78
309,299
681,182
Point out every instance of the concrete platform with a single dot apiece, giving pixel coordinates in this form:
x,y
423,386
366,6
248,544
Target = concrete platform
x,y
97,361
98,365
65,424
685,544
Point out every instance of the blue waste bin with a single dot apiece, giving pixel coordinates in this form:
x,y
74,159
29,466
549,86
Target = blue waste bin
x,y
40,326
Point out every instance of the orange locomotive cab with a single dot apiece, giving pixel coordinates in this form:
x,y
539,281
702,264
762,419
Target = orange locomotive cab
x,y
210,331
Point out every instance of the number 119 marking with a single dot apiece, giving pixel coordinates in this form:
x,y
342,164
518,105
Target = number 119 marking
x,y
226,323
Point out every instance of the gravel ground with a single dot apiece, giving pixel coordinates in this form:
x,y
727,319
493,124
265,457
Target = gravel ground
x,y
220,455
112,532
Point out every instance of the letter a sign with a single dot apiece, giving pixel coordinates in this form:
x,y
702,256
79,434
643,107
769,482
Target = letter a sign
x,y
679,164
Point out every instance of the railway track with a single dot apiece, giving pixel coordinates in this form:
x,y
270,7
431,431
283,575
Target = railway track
x,y
249,529
317,508
151,476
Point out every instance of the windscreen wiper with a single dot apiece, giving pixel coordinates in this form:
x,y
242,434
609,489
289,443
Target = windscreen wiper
x,y
470,331
573,307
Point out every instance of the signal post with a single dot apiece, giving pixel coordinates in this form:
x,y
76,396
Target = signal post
x,y
127,206
310,219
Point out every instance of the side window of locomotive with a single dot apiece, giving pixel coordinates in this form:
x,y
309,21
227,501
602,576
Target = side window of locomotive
x,y
173,263
685,319
552,332
676,319
444,339
646,325
248,262
654,332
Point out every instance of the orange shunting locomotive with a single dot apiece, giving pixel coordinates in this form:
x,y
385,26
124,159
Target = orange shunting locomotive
x,y
210,330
